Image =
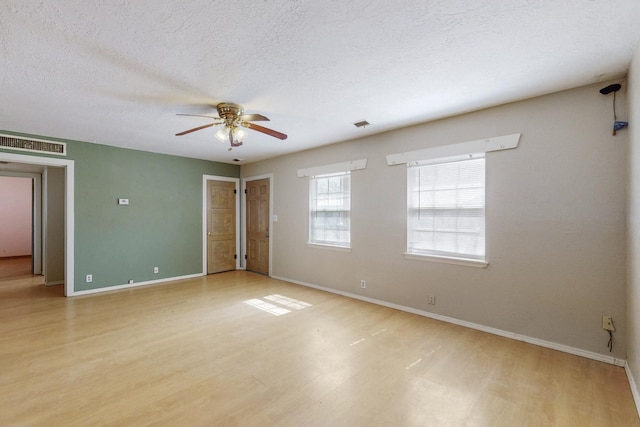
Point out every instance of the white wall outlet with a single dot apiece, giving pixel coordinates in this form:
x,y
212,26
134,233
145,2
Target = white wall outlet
x,y
89,278
432,299
131,281
363,283
155,270
123,201
607,323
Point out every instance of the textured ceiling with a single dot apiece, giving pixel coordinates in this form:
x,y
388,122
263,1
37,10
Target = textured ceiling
x,y
117,72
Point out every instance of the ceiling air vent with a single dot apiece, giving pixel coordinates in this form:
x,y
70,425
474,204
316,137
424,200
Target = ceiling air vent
x,y
12,142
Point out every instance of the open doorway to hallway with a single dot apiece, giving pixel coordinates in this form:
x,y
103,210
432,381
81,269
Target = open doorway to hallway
x,y
17,229
56,206
32,223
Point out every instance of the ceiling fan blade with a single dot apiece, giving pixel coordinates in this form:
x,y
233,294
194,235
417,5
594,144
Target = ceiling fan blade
x,y
254,118
195,129
264,130
198,115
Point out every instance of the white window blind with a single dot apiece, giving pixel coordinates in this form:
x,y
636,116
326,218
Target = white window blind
x,y
330,209
446,209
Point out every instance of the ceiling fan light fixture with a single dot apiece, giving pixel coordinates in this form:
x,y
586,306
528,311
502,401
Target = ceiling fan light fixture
x,y
239,134
222,134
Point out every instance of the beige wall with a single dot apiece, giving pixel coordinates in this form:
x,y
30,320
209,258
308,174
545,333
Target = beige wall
x,y
54,241
633,255
555,222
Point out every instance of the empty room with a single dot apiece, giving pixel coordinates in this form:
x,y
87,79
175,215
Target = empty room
x,y
296,213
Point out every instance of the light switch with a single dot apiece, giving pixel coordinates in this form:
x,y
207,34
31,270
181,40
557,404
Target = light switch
x,y
123,201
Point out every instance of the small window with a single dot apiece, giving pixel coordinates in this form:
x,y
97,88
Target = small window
x,y
330,209
446,209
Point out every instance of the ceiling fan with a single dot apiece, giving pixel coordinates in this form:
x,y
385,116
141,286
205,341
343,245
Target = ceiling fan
x,y
233,119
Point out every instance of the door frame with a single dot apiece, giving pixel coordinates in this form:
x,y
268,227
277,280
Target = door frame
x,y
69,208
244,218
205,250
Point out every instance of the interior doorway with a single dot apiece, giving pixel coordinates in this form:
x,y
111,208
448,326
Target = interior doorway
x,y
16,216
220,224
258,201
63,169
20,223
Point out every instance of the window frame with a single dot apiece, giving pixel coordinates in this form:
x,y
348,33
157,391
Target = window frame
x,y
312,240
460,258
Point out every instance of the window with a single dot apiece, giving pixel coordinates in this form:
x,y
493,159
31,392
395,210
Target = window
x,y
330,209
446,205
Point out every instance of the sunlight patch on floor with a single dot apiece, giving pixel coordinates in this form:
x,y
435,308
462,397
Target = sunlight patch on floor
x,y
279,300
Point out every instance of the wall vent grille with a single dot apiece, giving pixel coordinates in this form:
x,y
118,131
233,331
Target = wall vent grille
x,y
12,142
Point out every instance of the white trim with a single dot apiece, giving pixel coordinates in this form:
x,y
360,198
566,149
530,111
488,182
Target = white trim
x,y
471,325
44,218
468,262
352,165
135,285
453,150
634,387
329,247
450,159
69,215
205,250
244,218
69,211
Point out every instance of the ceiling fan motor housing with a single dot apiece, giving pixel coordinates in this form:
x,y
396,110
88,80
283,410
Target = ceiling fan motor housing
x,y
229,112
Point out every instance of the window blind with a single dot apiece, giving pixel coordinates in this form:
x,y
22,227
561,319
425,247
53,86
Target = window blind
x,y
446,209
330,209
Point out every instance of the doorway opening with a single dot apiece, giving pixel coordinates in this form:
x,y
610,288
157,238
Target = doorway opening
x,y
20,225
56,177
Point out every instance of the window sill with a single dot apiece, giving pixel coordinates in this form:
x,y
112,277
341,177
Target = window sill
x,y
329,247
448,260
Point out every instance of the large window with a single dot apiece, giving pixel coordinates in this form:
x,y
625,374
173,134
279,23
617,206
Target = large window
x,y
330,209
446,204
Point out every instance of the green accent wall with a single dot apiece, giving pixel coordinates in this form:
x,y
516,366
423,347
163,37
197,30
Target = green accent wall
x,y
161,226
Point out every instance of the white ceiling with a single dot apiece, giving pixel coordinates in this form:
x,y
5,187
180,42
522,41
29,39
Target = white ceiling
x,y
117,72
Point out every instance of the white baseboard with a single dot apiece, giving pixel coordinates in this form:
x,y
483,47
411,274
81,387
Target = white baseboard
x,y
494,331
134,285
634,387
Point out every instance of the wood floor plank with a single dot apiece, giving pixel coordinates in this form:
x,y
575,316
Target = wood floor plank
x,y
195,353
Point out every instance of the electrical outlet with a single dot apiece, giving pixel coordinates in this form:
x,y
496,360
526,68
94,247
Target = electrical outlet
x,y
432,299
607,323
363,283
89,278
155,270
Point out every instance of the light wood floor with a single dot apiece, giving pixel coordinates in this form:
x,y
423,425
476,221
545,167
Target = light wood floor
x,y
193,353
15,267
